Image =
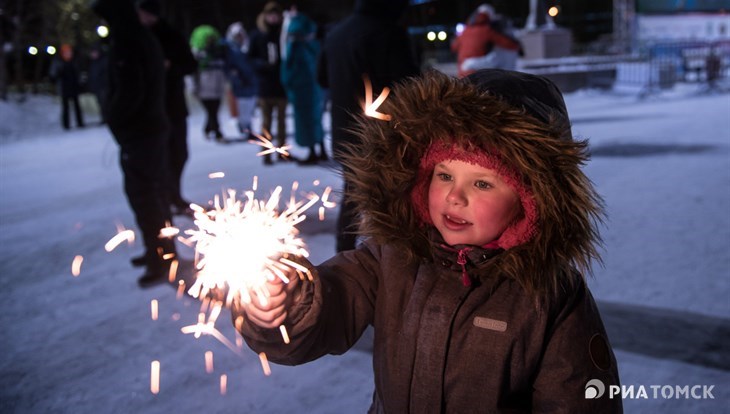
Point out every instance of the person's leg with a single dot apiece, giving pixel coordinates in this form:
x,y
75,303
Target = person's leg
x,y
177,157
266,108
281,104
65,122
144,173
215,125
208,105
78,113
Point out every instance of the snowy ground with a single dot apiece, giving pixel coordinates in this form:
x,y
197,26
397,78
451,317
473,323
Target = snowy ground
x,y
84,344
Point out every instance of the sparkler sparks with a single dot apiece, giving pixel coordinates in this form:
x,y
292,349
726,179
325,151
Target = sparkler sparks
x,y
76,265
370,107
155,377
245,243
265,364
115,241
269,147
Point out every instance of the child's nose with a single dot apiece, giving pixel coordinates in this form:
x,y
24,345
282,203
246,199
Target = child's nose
x,y
456,196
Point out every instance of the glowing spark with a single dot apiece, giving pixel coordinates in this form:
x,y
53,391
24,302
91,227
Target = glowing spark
x,y
209,362
284,334
180,289
241,243
315,182
224,384
202,328
265,364
216,175
175,316
321,213
155,377
123,235
153,309
168,232
255,185
76,265
269,147
172,273
371,108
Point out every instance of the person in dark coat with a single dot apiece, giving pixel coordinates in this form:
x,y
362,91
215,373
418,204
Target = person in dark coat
x,y
179,61
368,42
66,75
241,76
265,55
137,118
471,273
98,67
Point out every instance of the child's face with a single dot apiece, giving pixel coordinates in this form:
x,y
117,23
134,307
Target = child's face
x,y
470,204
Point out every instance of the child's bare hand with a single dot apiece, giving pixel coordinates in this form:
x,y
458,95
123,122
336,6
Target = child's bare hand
x,y
270,312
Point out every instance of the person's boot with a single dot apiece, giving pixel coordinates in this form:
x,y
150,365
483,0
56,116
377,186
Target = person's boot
x,y
157,272
139,261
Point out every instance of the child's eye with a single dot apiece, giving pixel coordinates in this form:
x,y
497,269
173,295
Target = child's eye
x,y
443,176
482,185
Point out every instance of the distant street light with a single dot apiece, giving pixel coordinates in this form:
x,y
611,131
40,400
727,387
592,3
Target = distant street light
x,y
32,50
442,35
553,11
431,36
102,31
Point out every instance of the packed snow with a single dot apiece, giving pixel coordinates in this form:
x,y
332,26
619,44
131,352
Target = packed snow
x,y
85,344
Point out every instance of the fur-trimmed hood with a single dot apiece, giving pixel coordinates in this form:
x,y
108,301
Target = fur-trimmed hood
x,y
519,118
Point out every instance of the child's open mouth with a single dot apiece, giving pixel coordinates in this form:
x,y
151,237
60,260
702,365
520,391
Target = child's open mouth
x,y
455,223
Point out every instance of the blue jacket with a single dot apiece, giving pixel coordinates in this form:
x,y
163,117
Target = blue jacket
x,y
240,72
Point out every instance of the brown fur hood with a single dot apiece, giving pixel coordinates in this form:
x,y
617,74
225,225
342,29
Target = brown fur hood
x,y
517,117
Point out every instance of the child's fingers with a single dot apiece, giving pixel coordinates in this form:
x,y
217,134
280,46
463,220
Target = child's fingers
x,y
266,318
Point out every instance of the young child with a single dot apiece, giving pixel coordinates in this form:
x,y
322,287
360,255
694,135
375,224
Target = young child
x,y
477,218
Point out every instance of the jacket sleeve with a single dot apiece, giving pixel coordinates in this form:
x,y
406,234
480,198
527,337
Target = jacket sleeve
x,y
330,313
577,352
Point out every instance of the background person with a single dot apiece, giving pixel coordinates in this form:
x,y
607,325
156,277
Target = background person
x,y
368,42
179,62
265,55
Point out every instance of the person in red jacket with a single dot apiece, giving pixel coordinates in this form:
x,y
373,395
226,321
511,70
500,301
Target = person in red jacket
x,y
479,38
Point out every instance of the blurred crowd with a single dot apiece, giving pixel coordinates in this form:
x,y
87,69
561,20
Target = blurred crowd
x,y
139,76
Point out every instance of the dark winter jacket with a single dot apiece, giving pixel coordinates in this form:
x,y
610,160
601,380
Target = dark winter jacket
x,y
179,61
136,94
239,70
525,334
369,42
66,76
265,56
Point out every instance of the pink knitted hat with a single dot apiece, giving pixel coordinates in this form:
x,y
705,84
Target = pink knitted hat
x,y
519,232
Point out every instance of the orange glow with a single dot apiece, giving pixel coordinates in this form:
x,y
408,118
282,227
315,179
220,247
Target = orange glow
x,y
209,362
155,377
115,241
284,333
153,309
172,273
76,265
265,364
370,107
224,384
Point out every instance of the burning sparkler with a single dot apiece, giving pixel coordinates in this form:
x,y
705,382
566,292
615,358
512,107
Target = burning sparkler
x,y
242,244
